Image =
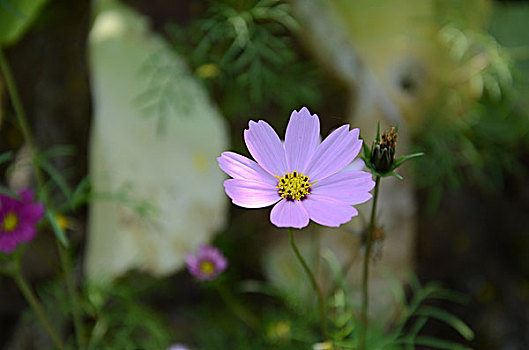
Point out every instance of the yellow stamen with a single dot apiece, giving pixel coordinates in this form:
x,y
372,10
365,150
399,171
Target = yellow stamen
x,y
294,186
10,222
207,267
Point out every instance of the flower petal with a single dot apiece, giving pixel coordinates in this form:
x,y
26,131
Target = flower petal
x,y
334,153
301,138
240,167
8,243
26,232
327,211
350,187
31,212
289,214
250,194
26,195
266,147
356,165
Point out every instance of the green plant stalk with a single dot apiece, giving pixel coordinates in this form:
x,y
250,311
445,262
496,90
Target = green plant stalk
x,y
237,308
28,137
321,301
35,305
365,274
20,115
72,293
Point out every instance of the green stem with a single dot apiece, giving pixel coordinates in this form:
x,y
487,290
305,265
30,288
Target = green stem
x,y
35,305
365,275
20,115
28,137
237,308
321,302
72,293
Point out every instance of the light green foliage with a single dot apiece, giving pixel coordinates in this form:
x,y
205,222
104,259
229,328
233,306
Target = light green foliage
x,y
480,150
16,17
168,88
509,26
115,317
410,316
404,330
245,52
482,141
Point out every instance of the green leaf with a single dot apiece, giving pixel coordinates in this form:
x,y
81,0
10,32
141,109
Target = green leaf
x,y
417,326
59,151
6,156
334,265
59,232
448,318
81,194
398,176
55,175
439,343
16,17
8,192
398,162
367,152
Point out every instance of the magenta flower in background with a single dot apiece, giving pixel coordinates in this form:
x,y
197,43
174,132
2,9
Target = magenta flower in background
x,y
207,264
18,219
303,178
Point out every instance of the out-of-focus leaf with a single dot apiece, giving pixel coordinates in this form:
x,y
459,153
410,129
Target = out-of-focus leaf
x,y
436,343
16,17
8,192
55,176
57,230
6,157
448,318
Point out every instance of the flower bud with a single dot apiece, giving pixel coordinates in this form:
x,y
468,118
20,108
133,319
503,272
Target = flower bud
x,y
383,152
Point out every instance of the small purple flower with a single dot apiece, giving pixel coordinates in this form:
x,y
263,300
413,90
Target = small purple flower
x,y
303,178
207,264
18,219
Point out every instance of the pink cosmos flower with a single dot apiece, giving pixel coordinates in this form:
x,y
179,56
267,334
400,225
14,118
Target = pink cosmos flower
x,y
207,264
303,178
18,219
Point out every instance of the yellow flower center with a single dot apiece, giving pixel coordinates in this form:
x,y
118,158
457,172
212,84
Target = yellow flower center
x,y
10,222
207,267
294,186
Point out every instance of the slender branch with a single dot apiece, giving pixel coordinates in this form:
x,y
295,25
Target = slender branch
x,y
28,137
72,293
20,116
321,302
365,276
35,305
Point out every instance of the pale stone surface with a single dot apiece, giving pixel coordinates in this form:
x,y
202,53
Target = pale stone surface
x,y
158,190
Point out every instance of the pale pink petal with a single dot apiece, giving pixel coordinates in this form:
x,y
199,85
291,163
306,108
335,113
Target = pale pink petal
x,y
266,147
250,194
356,165
334,153
301,138
240,167
327,211
350,187
289,214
